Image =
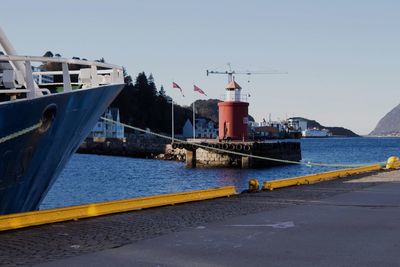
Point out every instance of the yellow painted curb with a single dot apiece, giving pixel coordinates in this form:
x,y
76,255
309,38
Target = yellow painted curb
x,y
318,177
26,219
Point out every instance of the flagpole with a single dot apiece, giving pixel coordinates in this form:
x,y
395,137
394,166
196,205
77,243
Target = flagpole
x,y
172,121
194,121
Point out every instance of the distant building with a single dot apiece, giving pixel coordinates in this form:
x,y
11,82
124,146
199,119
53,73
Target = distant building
x,y
266,129
205,128
106,129
297,124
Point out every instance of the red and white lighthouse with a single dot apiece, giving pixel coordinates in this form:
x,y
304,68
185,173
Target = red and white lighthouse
x,y
233,114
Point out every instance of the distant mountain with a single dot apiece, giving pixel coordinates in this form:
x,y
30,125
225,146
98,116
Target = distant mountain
x,y
336,131
389,125
209,109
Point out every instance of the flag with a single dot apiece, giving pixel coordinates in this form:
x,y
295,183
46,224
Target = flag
x,y
175,85
197,89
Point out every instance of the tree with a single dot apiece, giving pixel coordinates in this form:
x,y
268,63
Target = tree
x,y
48,54
127,78
151,78
141,105
162,92
51,66
151,85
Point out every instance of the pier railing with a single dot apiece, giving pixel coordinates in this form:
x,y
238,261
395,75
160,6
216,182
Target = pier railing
x,y
18,78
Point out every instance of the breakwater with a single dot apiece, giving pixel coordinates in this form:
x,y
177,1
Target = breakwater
x,y
137,147
211,154
217,154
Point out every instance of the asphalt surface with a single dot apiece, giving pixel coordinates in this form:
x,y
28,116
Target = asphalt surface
x,y
346,222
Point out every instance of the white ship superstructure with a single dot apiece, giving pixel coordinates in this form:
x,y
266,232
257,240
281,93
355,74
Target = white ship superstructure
x,y
316,133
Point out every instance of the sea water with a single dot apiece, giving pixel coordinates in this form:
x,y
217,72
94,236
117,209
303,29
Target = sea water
x,y
93,178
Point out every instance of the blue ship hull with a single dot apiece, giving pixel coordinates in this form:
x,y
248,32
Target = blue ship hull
x,y
30,164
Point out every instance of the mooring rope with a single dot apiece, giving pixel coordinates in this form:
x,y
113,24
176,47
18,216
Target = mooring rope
x,y
21,132
309,164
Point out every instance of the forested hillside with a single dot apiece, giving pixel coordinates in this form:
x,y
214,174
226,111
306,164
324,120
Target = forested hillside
x,y
142,105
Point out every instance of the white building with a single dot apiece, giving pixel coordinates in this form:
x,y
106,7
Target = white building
x,y
106,129
205,128
297,124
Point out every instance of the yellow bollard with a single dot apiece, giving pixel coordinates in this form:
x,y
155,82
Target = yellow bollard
x,y
254,185
266,186
392,162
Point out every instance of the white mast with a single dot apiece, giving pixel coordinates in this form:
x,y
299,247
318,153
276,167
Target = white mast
x,y
18,66
9,50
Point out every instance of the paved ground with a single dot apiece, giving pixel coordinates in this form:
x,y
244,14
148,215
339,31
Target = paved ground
x,y
345,222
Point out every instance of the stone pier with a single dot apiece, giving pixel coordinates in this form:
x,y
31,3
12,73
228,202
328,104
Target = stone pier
x,y
191,158
209,157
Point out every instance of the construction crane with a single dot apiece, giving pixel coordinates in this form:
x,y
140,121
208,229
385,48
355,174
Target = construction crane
x,y
231,72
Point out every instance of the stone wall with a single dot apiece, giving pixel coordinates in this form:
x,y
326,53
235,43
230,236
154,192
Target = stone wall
x,y
201,157
209,158
141,147
198,157
170,153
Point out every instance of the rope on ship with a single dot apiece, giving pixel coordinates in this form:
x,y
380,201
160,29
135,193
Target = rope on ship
x,y
21,132
309,164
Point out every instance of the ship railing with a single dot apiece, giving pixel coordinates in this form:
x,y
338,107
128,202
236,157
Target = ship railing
x,y
20,78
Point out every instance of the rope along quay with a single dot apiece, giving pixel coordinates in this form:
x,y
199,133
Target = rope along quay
x,y
21,132
309,164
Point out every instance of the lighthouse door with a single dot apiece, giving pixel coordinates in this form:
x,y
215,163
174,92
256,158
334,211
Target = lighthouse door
x,y
226,129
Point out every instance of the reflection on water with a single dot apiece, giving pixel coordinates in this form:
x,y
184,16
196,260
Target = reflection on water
x,y
91,178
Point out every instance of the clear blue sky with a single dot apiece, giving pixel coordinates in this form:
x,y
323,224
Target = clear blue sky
x,y
342,56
